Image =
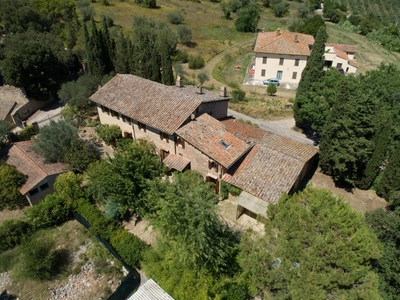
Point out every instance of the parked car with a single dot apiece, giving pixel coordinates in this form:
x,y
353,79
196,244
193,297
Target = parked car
x,y
271,80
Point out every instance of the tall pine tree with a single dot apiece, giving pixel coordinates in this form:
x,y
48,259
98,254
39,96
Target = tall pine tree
x,y
389,186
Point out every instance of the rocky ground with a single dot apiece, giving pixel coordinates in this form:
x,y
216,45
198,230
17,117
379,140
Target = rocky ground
x,y
87,284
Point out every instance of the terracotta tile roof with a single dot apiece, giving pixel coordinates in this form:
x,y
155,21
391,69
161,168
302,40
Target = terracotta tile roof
x,y
210,136
29,163
205,96
244,131
176,162
272,166
341,54
274,141
11,98
283,43
343,47
162,107
266,173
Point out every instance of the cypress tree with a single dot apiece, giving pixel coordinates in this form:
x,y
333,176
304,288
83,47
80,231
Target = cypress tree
x,y
346,138
389,186
372,169
107,48
155,74
122,55
312,73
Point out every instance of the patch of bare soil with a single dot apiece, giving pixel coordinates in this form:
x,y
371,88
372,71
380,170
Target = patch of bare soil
x,y
142,230
359,200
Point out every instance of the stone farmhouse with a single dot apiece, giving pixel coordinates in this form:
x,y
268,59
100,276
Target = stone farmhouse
x,y
283,55
184,123
40,176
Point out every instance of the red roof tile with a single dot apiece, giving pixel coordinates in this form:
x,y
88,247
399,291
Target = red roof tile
x,y
343,47
162,107
266,173
284,43
29,163
176,162
210,136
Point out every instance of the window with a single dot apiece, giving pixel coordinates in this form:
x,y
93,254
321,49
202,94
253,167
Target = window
x,y
281,61
105,110
264,60
126,119
263,72
180,142
212,165
223,143
296,62
164,136
294,76
279,74
141,126
44,186
339,65
114,114
33,192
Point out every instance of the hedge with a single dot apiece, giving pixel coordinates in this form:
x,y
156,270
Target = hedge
x,y
128,246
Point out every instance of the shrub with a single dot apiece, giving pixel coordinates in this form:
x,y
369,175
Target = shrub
x,y
184,34
27,133
128,246
175,17
12,233
280,9
38,259
271,89
52,211
181,56
238,95
109,133
202,77
196,62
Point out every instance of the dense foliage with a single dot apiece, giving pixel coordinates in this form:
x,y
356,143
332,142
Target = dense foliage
x,y
55,140
10,182
315,247
386,225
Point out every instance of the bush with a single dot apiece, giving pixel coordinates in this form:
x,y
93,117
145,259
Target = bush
x,y
38,260
52,211
109,133
238,95
128,246
202,77
184,34
175,17
271,89
27,133
196,62
12,233
280,9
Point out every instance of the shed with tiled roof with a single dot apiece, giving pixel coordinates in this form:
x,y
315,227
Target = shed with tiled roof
x,y
40,176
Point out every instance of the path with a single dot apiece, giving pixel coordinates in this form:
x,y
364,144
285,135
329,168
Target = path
x,y
282,127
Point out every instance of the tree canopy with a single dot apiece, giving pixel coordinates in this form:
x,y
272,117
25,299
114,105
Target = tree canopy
x,y
10,181
315,247
54,140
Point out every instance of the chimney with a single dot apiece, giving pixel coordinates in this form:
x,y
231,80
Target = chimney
x,y
179,82
296,38
222,91
278,31
263,29
199,89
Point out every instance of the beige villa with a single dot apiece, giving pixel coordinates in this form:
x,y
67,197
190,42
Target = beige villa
x,y
188,126
283,55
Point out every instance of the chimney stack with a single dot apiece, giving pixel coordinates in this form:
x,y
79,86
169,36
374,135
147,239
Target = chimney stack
x,y
296,38
222,91
263,29
199,89
179,82
278,31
